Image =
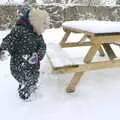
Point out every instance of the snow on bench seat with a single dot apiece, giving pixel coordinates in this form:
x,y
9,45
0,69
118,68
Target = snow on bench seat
x,y
93,26
58,57
68,57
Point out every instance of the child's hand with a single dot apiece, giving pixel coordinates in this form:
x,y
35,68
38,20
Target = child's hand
x,y
4,55
33,59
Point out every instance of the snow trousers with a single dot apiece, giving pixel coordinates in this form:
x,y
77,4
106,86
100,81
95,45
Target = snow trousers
x,y
24,72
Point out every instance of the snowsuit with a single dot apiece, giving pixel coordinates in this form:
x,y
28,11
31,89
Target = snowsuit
x,y
21,43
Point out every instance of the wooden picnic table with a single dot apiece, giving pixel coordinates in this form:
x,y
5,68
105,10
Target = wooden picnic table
x,y
101,34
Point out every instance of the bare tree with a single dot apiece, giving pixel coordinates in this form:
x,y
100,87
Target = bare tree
x,y
58,1
10,1
88,2
118,2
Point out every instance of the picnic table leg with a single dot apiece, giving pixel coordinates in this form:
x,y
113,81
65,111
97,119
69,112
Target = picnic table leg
x,y
101,52
75,80
109,51
66,35
88,58
83,38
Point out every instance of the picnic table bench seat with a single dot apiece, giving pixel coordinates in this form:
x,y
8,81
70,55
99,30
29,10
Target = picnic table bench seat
x,y
61,58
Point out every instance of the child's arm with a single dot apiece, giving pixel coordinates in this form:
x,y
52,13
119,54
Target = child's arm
x,y
8,41
6,46
41,49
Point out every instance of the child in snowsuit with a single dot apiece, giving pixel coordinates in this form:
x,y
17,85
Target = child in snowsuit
x,y
27,48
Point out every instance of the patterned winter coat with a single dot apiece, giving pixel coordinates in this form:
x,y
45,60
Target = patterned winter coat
x,y
21,43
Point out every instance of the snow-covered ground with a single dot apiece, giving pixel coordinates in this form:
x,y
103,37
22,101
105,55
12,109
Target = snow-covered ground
x,y
96,98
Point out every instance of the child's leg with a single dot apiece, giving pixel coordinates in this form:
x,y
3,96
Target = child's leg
x,y
30,84
26,75
18,75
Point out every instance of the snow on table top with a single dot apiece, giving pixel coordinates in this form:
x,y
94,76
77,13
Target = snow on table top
x,y
94,26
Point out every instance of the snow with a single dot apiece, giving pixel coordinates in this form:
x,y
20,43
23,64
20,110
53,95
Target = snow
x,y
63,2
94,26
108,2
15,2
96,98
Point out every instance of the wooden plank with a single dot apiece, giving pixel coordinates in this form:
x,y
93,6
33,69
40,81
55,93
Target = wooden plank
x,y
107,39
75,30
91,53
101,51
66,35
74,82
83,38
109,50
90,66
76,44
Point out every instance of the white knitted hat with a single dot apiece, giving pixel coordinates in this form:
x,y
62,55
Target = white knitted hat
x,y
39,18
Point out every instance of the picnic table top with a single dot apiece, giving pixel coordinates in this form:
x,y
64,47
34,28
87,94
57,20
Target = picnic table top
x,y
94,26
